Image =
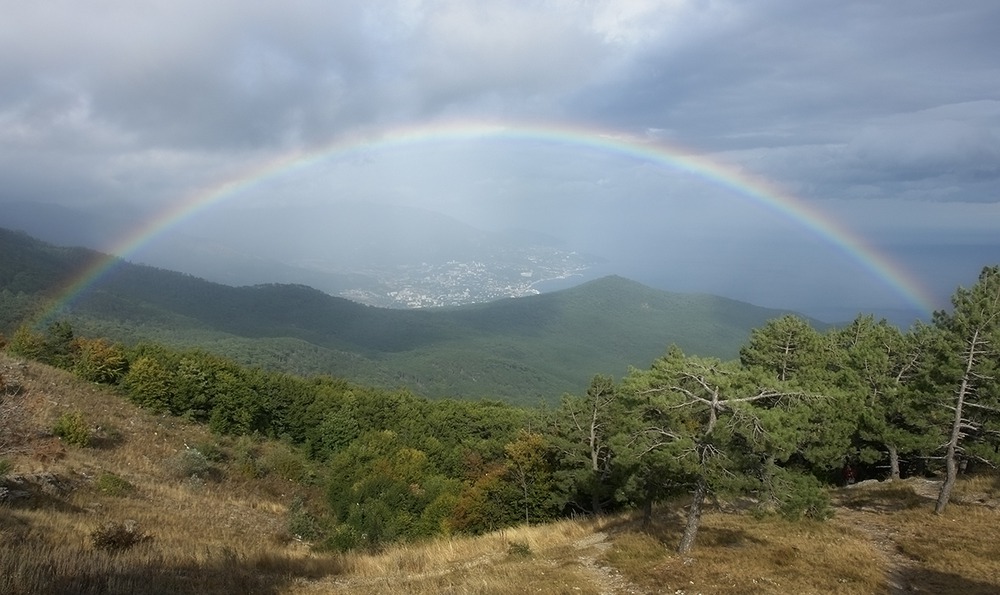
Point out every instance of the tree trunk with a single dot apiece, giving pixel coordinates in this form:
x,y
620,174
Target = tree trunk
x,y
893,462
693,518
647,508
951,465
595,498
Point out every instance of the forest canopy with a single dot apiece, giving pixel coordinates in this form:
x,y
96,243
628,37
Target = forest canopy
x,y
799,410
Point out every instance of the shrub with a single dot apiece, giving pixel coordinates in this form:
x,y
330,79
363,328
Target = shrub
x,y
189,463
211,451
519,549
73,429
113,485
302,523
118,537
285,464
5,467
803,496
26,343
246,458
99,360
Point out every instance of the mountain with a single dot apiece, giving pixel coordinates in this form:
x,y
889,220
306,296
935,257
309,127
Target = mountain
x,y
383,255
523,350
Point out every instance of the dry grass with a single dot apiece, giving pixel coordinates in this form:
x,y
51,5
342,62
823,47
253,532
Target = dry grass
x,y
739,554
226,531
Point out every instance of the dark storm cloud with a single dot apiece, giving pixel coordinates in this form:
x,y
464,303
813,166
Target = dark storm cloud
x,y
864,106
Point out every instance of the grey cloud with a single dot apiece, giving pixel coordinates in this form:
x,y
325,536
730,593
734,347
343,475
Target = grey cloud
x,y
850,105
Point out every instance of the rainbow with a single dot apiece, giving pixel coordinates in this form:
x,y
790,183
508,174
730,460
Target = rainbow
x,y
581,138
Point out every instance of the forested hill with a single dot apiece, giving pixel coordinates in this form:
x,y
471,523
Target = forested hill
x,y
523,349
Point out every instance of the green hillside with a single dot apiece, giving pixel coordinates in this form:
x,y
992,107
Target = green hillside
x,y
523,350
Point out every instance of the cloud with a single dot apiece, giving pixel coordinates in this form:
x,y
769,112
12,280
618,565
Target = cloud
x,y
848,106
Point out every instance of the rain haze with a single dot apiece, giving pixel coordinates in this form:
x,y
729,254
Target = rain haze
x,y
318,131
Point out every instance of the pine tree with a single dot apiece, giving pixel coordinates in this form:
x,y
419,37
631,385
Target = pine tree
x,y
714,426
878,363
582,432
965,374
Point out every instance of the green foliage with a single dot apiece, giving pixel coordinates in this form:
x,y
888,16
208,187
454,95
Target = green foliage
x,y
303,524
529,465
964,370
27,344
5,467
148,383
113,485
189,463
99,360
722,428
881,365
73,429
786,348
582,433
212,451
381,491
286,464
799,495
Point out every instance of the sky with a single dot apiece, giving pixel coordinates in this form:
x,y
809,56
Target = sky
x,y
881,117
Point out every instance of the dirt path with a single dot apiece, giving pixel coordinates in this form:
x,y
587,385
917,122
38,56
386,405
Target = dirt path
x,y
871,520
881,534
607,579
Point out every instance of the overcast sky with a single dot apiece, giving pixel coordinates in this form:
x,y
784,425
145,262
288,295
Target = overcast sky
x,y
885,115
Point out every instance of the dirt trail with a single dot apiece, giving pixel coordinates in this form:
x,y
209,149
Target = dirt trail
x,y
881,533
870,520
607,580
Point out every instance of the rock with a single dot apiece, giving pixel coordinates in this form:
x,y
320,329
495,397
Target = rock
x,y
8,495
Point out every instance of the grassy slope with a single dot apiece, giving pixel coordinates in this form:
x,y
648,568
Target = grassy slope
x,y
228,534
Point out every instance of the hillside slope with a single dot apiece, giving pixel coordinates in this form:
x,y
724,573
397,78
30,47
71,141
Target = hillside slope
x,y
224,531
525,349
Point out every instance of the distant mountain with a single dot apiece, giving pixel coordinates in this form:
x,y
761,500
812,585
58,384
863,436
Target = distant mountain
x,y
383,255
523,350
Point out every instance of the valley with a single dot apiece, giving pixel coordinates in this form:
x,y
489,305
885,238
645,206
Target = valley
x,y
509,272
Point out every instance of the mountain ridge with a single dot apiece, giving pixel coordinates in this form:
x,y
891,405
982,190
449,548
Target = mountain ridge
x,y
524,349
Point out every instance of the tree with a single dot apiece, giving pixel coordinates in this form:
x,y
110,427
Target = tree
x,y
529,468
99,360
582,431
786,347
879,363
148,383
26,343
717,427
788,351
967,362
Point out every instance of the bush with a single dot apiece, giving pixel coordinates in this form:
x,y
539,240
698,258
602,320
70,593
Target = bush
x,y
99,360
73,429
211,451
285,464
303,524
113,485
5,467
189,463
802,496
519,549
246,458
118,537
